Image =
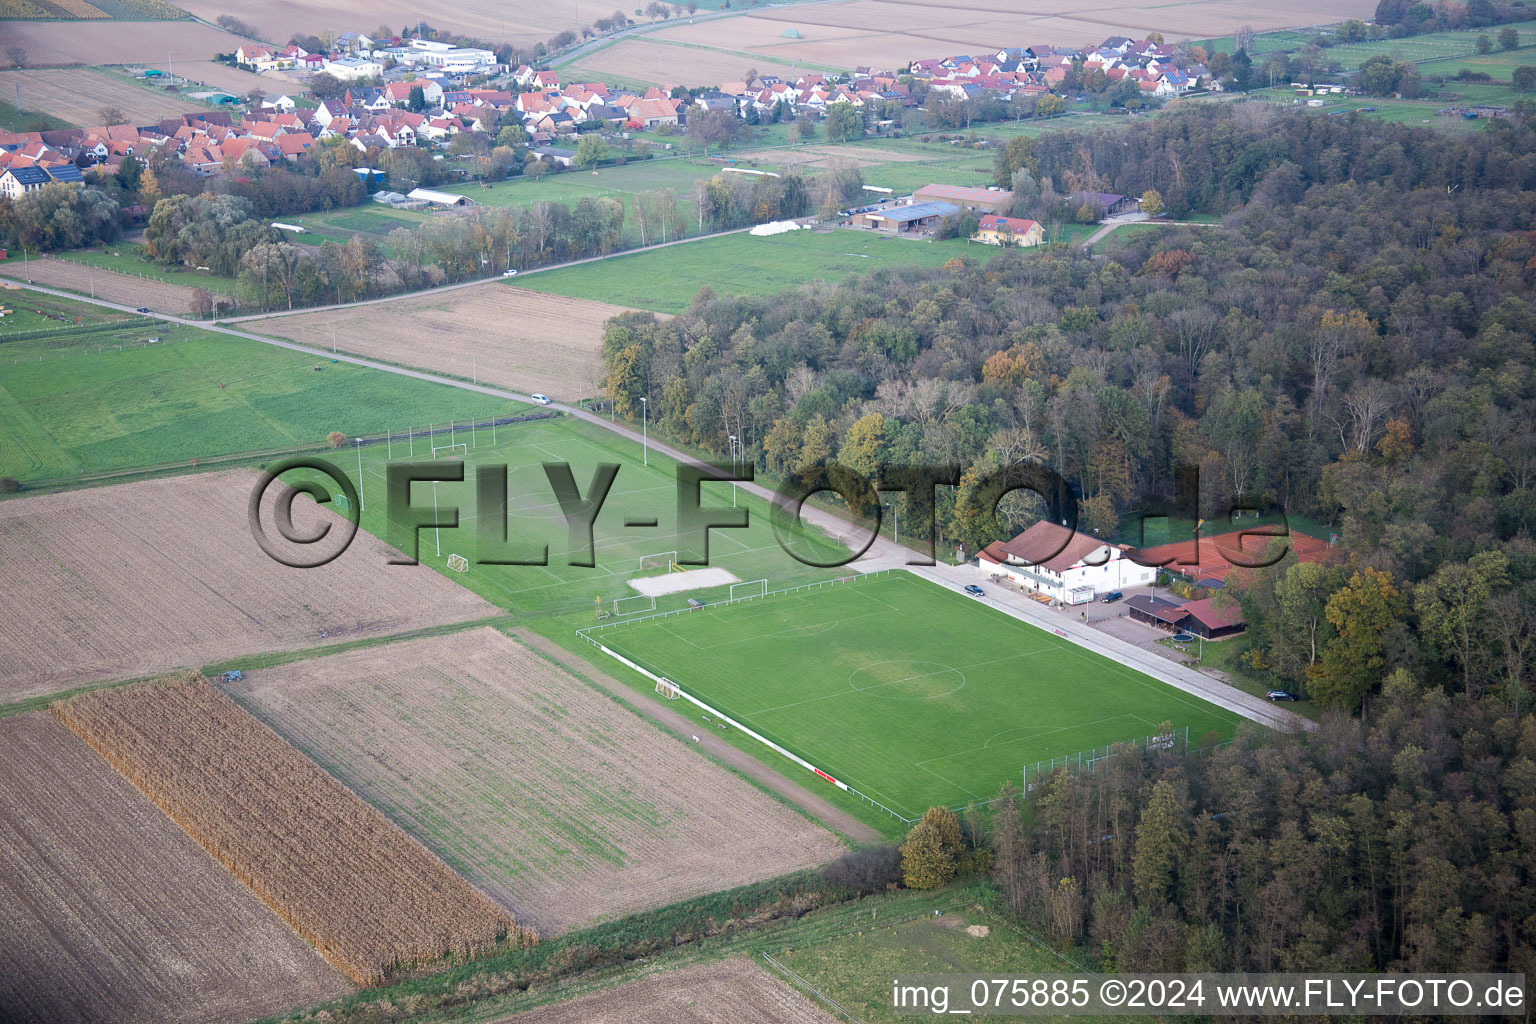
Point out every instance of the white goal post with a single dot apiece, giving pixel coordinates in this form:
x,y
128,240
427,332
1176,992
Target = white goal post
x,y
749,589
450,449
634,605
458,563
668,689
660,560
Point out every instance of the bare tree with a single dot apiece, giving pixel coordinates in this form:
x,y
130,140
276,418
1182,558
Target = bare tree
x,y
1365,410
111,115
17,54
1195,331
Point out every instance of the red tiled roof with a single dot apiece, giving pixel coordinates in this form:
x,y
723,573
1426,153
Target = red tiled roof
x,y
1214,618
1051,546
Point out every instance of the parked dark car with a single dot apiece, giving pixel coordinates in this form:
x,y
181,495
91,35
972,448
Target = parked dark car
x,y
1280,695
1112,597
974,589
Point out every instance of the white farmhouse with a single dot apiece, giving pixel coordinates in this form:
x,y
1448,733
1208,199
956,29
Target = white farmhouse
x,y
1064,565
353,69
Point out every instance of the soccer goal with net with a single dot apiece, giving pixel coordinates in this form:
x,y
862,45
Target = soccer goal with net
x,y
668,689
450,451
458,563
660,560
749,589
634,605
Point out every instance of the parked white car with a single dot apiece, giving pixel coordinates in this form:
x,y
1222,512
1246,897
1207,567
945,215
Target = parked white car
x,y
509,273
541,399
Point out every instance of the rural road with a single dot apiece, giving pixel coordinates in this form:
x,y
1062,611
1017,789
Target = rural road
x,y
745,763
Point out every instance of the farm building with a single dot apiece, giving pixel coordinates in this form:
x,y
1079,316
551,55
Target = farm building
x,y
1155,611
977,200
1063,564
914,218
997,230
1108,204
1203,619
427,195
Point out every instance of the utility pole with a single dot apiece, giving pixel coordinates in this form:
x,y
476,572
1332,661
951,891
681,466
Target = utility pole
x,y
170,68
645,443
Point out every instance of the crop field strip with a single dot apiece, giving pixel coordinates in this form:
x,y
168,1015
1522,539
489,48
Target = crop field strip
x,y
102,284
127,581
515,338
905,690
735,989
109,911
539,789
370,898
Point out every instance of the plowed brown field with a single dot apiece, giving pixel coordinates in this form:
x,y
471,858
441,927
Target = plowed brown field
x,y
103,284
77,96
495,334
544,792
726,990
108,911
127,581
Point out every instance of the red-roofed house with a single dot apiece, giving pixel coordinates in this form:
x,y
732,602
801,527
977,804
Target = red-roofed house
x,y
1205,619
998,230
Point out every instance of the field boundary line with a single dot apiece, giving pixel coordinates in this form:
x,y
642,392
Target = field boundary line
x,y
799,982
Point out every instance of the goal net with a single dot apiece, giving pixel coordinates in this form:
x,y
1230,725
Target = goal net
x,y
749,589
660,560
458,563
668,689
451,451
634,605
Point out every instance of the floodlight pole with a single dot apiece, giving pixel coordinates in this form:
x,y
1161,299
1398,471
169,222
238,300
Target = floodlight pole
x,y
362,503
436,524
733,470
645,443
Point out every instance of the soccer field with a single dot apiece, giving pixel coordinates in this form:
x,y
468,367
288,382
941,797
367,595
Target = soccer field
x,y
914,694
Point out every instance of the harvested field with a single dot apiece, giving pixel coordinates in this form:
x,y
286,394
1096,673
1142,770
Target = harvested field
x,y
518,21
128,581
222,76
843,35
541,790
49,44
77,96
103,284
371,899
736,989
493,333
111,912
642,60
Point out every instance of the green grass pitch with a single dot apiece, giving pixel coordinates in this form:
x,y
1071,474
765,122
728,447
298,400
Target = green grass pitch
x,y
912,693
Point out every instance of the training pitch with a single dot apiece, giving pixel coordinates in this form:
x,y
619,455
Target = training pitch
x,y
915,695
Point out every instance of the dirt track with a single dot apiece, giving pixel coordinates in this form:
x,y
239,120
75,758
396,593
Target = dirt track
x,y
112,912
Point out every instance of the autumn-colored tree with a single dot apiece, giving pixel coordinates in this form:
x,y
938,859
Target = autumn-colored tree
x,y
336,438
929,855
1361,611
1152,202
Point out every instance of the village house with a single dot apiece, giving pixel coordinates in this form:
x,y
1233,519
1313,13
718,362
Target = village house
x,y
1064,565
998,230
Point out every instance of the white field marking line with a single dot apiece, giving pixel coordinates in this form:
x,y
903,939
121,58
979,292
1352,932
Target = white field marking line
x,y
1146,682
715,615
948,782
845,693
684,639
903,679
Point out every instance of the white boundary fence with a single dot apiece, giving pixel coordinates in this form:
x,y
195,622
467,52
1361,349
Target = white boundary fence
x,y
1086,760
